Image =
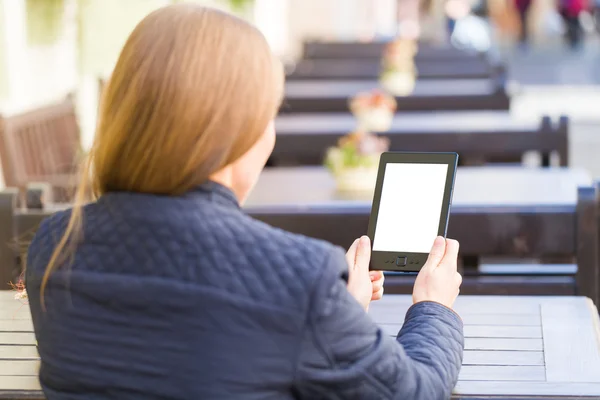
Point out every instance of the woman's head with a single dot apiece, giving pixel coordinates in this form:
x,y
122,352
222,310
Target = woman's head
x,y
193,91
192,98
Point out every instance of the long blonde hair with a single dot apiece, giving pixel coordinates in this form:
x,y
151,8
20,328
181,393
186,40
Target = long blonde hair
x,y
192,91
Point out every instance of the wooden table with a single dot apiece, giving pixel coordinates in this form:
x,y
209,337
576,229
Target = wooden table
x,y
370,69
478,136
428,95
357,50
515,347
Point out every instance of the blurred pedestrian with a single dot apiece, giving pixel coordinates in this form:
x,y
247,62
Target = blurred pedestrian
x,y
597,14
523,7
570,10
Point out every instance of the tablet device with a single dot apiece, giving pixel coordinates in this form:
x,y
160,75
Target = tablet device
x,y
410,208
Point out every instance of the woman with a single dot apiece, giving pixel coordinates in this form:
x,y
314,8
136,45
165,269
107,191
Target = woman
x,y
523,7
570,10
164,288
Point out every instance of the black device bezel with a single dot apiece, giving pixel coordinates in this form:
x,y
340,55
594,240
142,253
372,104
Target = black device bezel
x,y
403,261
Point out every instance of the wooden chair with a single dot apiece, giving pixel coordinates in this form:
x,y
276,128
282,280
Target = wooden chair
x,y
42,145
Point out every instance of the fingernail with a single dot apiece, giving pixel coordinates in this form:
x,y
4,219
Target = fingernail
x,y
439,240
365,241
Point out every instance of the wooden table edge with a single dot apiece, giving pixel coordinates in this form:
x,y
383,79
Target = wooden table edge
x,y
595,319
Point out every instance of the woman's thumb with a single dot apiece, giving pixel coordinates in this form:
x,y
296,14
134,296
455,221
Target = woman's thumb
x,y
437,252
363,254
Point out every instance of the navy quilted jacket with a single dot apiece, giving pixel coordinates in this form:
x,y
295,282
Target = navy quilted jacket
x,y
189,298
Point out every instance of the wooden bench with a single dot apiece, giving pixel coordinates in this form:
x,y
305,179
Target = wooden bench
x,y
479,137
370,69
515,347
38,145
428,95
509,212
375,49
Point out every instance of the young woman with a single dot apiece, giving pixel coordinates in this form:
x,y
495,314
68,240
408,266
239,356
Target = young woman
x,y
164,288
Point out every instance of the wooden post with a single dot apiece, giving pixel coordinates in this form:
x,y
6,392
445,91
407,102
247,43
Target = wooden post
x,y
587,243
563,131
8,254
547,128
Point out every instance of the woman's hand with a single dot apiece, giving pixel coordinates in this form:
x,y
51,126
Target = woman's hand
x,y
363,285
439,279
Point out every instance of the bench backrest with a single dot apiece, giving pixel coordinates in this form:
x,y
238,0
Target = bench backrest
x,y
38,145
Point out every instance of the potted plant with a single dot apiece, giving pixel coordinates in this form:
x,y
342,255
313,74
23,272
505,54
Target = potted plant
x,y
399,73
45,21
374,110
355,160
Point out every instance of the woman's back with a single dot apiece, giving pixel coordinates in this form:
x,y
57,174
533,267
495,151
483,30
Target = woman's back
x,y
177,298
189,298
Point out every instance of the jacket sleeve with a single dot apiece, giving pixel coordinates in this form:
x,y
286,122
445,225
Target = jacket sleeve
x,y
345,355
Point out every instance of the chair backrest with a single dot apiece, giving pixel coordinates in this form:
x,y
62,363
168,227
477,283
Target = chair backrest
x,y
39,145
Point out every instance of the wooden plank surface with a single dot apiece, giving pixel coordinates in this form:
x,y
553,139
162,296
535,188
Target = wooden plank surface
x,y
19,368
564,336
516,390
19,383
336,69
12,313
523,344
18,352
502,373
506,354
10,325
474,357
303,187
423,88
483,331
17,338
426,123
478,136
374,49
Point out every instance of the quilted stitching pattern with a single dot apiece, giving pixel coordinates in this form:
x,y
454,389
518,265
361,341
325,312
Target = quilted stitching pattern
x,y
188,297
346,356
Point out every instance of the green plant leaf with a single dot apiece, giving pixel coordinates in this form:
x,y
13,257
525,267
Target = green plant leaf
x,y
239,5
44,21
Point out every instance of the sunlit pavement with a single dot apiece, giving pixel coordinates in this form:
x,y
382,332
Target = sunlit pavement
x,y
557,81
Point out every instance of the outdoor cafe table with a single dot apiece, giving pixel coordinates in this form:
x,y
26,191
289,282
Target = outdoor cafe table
x,y
510,212
515,347
428,95
375,49
369,69
477,136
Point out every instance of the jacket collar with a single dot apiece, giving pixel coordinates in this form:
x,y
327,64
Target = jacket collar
x,y
212,191
217,193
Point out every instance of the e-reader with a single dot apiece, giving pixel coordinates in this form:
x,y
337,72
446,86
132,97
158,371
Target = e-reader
x,y
411,205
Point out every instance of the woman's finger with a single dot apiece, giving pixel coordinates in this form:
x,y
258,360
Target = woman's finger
x,y
377,295
377,285
376,275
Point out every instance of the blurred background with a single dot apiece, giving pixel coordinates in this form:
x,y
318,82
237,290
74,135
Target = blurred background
x,y
50,49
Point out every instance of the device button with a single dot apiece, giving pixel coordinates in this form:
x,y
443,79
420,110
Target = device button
x,y
401,261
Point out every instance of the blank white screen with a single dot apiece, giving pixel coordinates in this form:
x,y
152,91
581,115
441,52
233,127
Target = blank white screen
x,y
410,207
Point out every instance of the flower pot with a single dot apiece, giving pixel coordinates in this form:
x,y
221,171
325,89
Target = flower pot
x,y
359,179
375,119
398,83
